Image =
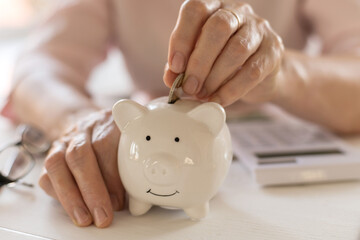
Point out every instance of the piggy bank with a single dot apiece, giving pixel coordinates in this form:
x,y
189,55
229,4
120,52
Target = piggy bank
x,y
172,155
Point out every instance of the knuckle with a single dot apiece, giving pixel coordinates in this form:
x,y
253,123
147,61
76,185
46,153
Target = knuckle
x,y
239,48
274,52
263,23
177,36
106,131
77,151
180,40
279,43
213,34
195,8
278,40
256,70
198,63
108,137
99,149
221,22
243,45
245,7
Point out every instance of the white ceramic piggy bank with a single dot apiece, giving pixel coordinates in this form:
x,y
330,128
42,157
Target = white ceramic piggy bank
x,y
172,155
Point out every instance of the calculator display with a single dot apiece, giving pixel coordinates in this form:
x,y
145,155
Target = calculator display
x,y
290,156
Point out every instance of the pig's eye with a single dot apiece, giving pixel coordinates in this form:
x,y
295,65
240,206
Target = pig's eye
x,y
177,139
148,138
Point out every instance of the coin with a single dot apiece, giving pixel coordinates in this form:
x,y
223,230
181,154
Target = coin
x,y
173,97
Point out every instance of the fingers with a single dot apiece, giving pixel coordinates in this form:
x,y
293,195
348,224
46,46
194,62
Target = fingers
x,y
82,170
193,14
256,68
220,64
46,185
169,76
84,167
238,49
214,36
65,186
107,134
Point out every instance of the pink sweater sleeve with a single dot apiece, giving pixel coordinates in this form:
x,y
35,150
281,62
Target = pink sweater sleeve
x,y
69,44
337,23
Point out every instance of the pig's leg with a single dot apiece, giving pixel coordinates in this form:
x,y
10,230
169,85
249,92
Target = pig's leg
x,y
198,212
137,207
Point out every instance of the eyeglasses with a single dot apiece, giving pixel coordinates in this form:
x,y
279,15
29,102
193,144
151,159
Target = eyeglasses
x,y
18,159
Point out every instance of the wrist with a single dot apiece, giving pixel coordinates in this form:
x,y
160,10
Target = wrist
x,y
291,78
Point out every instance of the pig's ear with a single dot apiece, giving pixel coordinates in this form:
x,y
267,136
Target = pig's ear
x,y
125,111
211,114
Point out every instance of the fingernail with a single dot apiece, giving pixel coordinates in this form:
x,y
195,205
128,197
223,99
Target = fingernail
x,y
166,67
166,77
191,85
177,63
215,99
114,202
100,216
202,93
81,215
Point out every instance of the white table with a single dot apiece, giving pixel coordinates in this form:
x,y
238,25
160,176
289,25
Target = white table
x,y
241,210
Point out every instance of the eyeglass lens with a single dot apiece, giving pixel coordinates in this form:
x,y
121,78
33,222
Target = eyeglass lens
x,y
15,162
34,140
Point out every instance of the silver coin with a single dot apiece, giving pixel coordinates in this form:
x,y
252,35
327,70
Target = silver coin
x,y
173,97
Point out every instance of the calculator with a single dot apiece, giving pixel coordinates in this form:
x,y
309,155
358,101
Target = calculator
x,y
286,153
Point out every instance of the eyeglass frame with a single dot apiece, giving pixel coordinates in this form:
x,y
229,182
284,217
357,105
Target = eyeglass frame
x,y
21,144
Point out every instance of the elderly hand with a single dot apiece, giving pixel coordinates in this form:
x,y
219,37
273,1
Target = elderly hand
x,y
82,173
228,52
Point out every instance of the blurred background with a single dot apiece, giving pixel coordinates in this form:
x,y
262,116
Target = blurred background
x,y
17,20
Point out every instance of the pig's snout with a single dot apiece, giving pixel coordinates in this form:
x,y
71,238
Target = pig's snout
x,y
162,169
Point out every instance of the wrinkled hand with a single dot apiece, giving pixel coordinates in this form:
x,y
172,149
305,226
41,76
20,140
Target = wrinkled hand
x,y
82,173
228,52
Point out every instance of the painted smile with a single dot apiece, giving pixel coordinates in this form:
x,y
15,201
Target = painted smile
x,y
161,195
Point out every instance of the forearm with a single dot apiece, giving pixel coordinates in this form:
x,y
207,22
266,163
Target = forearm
x,y
47,100
324,89
50,77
